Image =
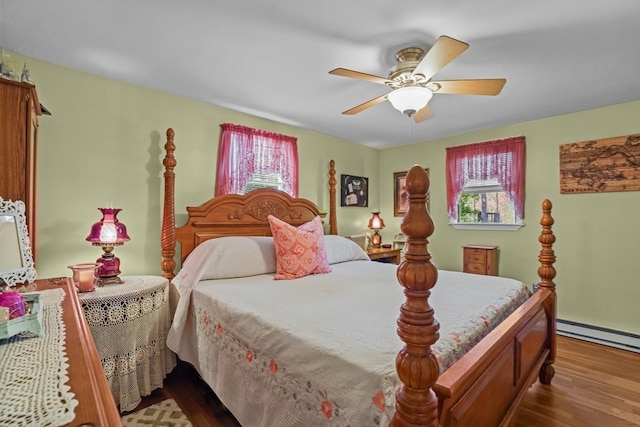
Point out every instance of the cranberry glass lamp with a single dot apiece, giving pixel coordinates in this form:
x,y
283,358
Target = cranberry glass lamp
x,y
108,233
376,223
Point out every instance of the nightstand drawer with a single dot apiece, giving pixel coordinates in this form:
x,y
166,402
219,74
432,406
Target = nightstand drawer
x,y
477,255
475,268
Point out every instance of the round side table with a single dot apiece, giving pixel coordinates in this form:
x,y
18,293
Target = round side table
x,y
129,323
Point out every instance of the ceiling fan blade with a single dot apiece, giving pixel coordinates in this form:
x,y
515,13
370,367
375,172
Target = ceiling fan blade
x,y
422,115
443,51
470,87
358,75
365,105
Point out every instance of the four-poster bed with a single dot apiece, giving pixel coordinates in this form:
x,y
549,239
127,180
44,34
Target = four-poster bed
x,y
481,387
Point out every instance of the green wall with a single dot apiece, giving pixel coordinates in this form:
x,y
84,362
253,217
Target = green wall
x,y
104,144
597,234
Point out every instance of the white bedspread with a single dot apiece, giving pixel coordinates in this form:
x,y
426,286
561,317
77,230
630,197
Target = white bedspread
x,y
320,350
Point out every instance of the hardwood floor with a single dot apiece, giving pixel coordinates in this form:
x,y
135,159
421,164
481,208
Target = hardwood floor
x,y
594,385
196,399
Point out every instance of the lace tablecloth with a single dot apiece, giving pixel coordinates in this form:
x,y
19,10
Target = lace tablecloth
x,y
129,324
33,372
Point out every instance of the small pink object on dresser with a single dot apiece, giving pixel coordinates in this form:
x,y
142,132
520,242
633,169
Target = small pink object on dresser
x,y
15,303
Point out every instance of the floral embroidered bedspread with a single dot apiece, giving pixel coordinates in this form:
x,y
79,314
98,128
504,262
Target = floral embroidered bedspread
x,y
320,350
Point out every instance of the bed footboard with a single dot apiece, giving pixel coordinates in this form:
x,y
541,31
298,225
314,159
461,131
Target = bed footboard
x,y
486,386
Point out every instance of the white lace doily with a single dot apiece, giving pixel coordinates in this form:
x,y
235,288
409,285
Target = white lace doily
x,y
33,372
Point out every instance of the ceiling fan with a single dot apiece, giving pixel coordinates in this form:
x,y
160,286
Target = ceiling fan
x,y
411,79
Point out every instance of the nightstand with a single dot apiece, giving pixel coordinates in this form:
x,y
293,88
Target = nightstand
x,y
480,259
388,255
129,323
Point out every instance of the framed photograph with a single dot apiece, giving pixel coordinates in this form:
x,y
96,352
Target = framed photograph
x,y
354,191
400,195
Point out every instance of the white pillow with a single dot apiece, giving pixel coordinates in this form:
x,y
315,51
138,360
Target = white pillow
x,y
242,256
233,256
341,249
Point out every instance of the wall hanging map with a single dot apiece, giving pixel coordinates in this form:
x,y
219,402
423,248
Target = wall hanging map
x,y
611,164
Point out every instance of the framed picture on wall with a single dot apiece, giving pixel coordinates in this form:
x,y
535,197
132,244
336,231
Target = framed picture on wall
x,y
400,194
354,191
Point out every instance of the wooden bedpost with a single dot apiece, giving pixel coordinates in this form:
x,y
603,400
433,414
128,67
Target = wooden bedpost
x,y
168,235
333,221
547,272
417,367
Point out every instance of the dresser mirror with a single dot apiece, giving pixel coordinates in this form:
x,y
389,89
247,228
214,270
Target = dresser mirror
x,y
16,260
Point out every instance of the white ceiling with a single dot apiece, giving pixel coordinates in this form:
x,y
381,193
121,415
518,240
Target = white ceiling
x,y
271,58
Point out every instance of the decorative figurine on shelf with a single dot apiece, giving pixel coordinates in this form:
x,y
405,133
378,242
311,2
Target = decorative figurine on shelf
x,y
24,78
7,66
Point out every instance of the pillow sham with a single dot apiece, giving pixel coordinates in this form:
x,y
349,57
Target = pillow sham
x,y
299,251
342,249
232,256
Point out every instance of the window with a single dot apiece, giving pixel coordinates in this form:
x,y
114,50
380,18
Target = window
x,y
486,202
252,158
485,183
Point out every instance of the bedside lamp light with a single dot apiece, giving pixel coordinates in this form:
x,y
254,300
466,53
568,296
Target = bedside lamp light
x,y
376,223
108,233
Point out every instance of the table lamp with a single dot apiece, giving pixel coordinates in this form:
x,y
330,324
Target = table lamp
x,y
108,233
376,223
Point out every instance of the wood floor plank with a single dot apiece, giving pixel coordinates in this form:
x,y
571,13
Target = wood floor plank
x,y
594,385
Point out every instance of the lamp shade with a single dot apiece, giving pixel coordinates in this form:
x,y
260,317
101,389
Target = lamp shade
x,y
376,223
108,231
410,99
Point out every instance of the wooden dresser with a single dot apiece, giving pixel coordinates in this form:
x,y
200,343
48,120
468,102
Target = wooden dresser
x,y
87,380
480,259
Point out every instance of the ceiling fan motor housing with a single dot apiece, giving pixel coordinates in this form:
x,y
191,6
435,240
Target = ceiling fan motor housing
x,y
402,74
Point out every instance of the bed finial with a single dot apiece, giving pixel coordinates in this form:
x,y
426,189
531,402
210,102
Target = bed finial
x,y
333,220
168,235
417,367
547,257
547,272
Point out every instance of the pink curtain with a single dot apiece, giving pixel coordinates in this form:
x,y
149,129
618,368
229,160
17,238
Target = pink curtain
x,y
500,159
244,151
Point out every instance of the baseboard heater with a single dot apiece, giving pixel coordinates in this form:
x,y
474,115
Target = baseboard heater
x,y
598,335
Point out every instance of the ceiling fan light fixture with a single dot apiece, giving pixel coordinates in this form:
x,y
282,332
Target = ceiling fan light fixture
x,y
408,100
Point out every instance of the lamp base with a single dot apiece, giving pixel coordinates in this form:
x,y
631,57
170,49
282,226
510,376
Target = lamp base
x,y
109,268
376,239
114,280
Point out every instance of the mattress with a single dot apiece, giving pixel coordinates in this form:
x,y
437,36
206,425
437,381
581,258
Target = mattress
x,y
320,350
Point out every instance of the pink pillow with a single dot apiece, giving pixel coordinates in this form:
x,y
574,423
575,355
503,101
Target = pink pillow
x,y
299,251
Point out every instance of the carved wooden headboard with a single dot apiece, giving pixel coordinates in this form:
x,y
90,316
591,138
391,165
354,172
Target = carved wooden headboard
x,y
231,214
